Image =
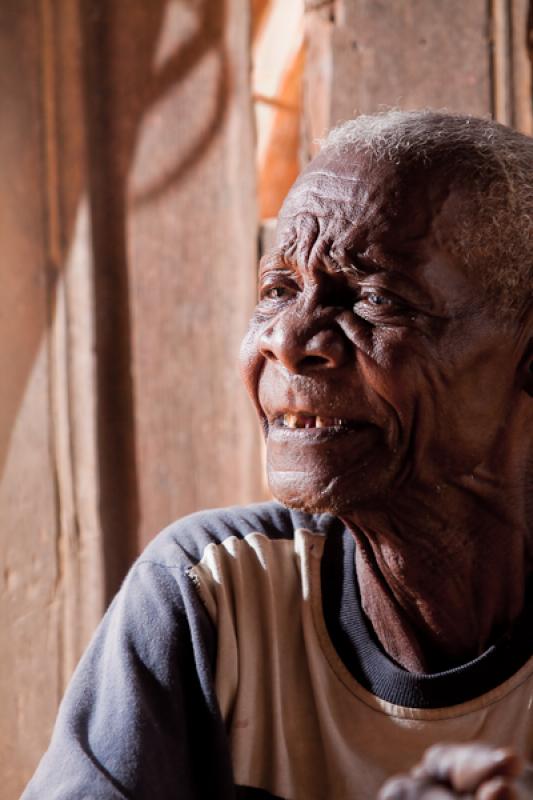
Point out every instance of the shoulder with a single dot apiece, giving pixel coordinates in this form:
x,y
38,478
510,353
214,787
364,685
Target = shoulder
x,y
186,541
195,560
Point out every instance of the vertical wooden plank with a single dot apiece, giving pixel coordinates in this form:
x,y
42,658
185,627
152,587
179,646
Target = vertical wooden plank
x,y
366,56
193,285
110,140
502,61
30,599
51,569
72,329
521,25
176,144
410,54
511,78
404,54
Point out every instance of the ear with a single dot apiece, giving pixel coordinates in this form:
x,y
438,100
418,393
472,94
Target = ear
x,y
526,369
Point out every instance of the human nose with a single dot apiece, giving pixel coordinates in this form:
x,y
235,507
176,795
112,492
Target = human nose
x,y
300,350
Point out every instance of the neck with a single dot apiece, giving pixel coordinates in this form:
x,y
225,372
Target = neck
x,y
443,575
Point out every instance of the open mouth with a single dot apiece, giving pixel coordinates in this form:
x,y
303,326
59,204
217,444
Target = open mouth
x,y
307,421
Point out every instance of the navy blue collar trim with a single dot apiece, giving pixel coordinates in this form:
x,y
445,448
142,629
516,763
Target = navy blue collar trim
x,y
357,647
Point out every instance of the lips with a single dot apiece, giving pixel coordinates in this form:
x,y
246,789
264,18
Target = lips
x,y
320,448
318,453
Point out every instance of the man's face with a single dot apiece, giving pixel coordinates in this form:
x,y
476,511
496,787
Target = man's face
x,y
372,357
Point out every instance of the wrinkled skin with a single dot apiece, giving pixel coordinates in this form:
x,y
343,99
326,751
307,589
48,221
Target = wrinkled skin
x,y
365,316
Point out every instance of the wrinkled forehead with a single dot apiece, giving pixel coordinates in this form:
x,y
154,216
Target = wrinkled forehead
x,y
345,201
335,183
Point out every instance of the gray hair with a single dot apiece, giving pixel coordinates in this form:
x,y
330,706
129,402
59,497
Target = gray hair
x,y
493,167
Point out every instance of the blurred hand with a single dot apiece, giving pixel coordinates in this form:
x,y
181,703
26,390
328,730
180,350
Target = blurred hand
x,y
451,771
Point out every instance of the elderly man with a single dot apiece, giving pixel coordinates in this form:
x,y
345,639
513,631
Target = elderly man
x,y
313,653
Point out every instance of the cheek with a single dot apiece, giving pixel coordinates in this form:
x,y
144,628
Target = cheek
x,y
251,363
473,409
405,379
459,410
392,377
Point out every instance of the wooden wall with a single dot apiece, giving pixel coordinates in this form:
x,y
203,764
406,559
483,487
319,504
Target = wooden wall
x,y
129,239
129,234
365,55
29,608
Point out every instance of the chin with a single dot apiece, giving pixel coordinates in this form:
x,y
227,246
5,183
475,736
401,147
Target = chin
x,y
338,496
337,470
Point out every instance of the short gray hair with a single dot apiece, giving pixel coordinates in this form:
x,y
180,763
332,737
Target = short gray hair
x,y
491,164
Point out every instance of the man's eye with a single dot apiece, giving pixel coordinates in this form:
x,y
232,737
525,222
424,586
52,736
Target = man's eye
x,y
276,293
377,300
380,307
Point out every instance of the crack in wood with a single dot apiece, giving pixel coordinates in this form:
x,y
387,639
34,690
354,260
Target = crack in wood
x,y
501,36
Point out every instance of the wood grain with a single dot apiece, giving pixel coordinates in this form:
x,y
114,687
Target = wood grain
x,y
371,55
176,240
30,603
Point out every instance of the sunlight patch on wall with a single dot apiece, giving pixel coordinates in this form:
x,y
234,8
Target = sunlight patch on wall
x,y
278,59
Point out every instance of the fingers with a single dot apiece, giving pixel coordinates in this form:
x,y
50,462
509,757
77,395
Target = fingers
x,y
497,789
448,771
408,788
467,767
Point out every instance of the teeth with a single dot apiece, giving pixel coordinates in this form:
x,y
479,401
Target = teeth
x,y
329,422
290,420
307,421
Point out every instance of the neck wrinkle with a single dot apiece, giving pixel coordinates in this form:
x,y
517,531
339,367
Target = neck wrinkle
x,y
440,586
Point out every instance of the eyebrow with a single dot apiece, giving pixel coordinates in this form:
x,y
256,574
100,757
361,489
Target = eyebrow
x,y
390,264
400,261
400,281
271,259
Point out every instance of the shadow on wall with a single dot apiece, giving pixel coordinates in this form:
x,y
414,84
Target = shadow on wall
x,y
133,54
123,84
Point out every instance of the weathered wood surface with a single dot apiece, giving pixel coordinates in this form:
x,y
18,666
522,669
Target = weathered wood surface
x,y
521,52
30,659
511,25
72,333
178,213
411,53
129,241
52,591
365,56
